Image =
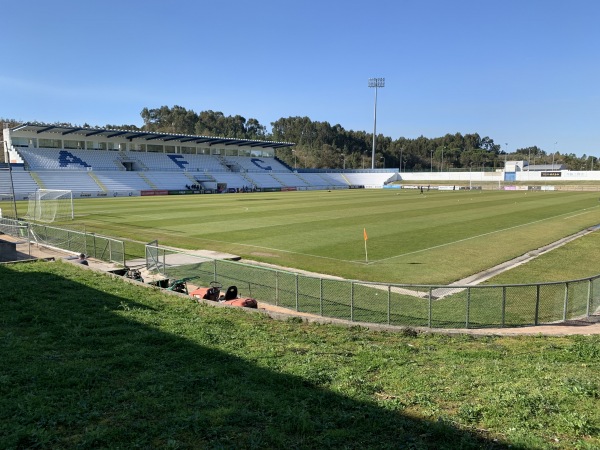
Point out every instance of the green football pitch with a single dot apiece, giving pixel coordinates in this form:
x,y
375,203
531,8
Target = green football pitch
x,y
433,237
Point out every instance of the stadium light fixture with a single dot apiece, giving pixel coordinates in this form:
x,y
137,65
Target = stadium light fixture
x,y
375,83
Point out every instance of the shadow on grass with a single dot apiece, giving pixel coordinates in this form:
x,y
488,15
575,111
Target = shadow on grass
x,y
78,371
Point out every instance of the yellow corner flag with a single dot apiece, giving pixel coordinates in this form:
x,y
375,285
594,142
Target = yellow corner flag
x,y
366,237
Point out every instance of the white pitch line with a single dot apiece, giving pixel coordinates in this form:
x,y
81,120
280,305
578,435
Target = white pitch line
x,y
283,251
384,259
475,237
585,211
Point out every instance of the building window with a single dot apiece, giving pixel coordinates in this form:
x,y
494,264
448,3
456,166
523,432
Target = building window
x,y
50,143
23,142
70,144
155,148
138,147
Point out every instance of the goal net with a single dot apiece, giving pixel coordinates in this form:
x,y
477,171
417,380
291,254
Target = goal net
x,y
6,205
49,205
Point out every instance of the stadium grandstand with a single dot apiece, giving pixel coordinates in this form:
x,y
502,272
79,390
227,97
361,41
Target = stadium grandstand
x,y
99,162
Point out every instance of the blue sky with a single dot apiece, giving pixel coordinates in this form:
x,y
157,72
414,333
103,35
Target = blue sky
x,y
522,72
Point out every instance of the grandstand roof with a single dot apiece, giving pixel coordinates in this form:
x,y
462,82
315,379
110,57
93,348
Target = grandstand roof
x,y
147,136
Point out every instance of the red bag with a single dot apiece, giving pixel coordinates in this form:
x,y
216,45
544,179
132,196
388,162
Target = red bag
x,y
206,293
243,302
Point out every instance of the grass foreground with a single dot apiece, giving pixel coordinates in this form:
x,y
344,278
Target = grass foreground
x,y
92,361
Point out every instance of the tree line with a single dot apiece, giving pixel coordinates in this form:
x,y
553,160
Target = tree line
x,y
324,146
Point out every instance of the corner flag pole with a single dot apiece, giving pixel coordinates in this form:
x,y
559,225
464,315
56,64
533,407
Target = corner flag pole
x,y
366,237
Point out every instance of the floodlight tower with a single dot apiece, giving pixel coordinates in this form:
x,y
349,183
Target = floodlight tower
x,y
12,184
375,83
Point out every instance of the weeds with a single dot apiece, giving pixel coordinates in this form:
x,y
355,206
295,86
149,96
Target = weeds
x,y
117,366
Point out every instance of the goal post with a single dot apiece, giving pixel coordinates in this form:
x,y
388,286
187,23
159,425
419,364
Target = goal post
x,y
4,196
49,205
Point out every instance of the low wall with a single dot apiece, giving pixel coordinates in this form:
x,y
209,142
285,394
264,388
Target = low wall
x,y
8,250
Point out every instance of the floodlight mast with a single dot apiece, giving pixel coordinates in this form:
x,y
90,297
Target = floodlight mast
x,y
12,184
375,83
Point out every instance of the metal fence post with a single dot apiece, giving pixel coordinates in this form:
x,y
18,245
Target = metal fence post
x,y
590,297
389,305
215,275
297,291
566,302
29,235
321,296
503,306
537,305
352,301
277,288
468,307
430,307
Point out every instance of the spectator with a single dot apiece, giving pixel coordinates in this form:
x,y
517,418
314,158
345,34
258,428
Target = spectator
x,y
82,260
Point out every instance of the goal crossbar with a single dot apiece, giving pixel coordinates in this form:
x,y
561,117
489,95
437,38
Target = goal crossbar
x,y
48,205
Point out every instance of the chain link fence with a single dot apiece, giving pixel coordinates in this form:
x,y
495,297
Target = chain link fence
x,y
95,246
482,306
14,245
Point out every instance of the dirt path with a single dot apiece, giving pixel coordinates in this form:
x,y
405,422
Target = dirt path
x,y
571,327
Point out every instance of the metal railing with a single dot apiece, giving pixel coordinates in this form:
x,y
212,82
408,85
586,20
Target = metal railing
x,y
93,245
432,306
